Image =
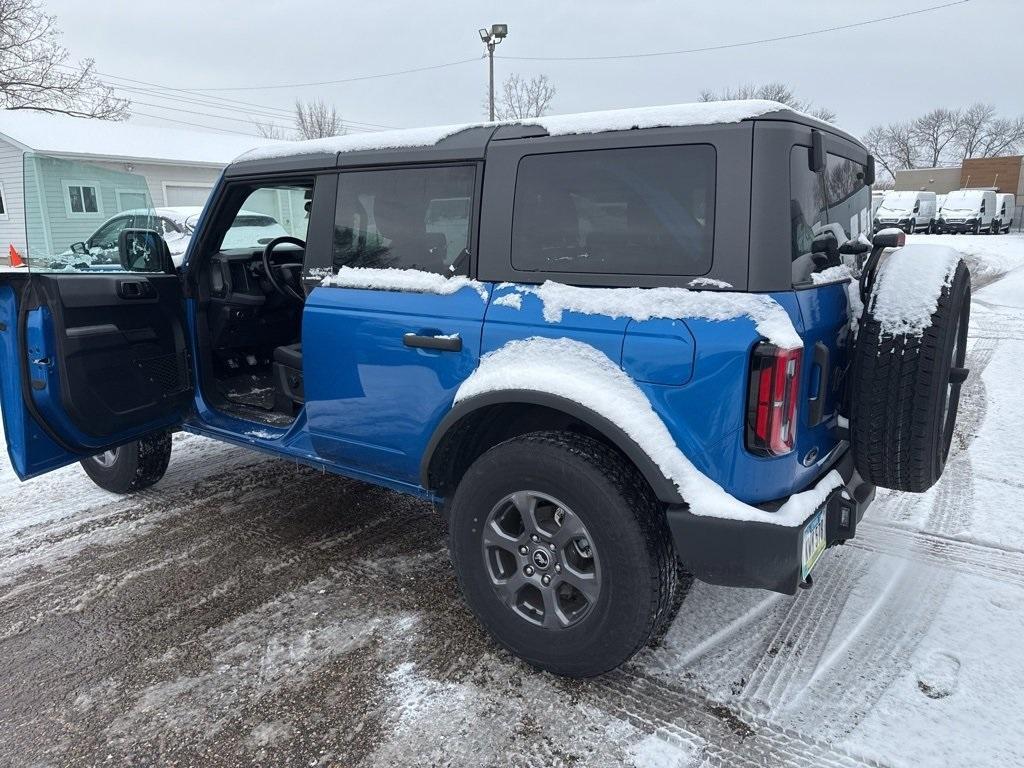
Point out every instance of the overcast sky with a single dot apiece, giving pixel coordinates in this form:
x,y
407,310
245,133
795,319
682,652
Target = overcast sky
x,y
893,70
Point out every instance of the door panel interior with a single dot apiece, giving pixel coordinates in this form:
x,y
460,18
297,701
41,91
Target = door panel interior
x,y
115,355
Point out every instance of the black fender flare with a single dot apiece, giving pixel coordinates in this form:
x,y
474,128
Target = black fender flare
x,y
663,488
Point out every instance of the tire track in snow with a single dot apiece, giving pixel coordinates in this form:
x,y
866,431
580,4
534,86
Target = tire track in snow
x,y
727,738
801,636
862,665
969,558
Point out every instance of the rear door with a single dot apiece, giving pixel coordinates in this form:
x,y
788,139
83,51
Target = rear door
x,y
91,355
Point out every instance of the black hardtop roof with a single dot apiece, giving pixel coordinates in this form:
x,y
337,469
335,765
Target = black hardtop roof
x,y
467,144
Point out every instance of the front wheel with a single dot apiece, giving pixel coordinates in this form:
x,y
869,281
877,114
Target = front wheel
x,y
563,553
911,226
131,467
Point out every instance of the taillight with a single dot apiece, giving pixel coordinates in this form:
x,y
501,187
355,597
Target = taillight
x,y
772,399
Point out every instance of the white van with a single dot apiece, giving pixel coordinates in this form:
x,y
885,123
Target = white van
x,y
877,195
968,210
1006,204
910,211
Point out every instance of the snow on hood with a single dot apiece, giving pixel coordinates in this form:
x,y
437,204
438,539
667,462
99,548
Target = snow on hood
x,y
906,291
412,280
642,304
583,374
701,113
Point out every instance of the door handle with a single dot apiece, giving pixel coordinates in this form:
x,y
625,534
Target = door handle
x,y
451,343
135,289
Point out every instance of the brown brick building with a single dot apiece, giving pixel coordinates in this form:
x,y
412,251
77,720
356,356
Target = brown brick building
x,y
1004,173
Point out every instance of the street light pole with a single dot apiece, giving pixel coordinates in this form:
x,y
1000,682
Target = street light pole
x,y
491,37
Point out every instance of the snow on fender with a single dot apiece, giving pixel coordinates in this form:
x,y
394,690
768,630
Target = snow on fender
x,y
908,367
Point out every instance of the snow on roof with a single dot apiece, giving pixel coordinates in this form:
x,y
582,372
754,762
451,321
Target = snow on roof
x,y
585,375
63,135
701,113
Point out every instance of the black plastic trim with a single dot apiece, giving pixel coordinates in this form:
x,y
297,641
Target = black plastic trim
x,y
664,488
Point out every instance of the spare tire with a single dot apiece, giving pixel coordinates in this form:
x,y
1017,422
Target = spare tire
x,y
906,389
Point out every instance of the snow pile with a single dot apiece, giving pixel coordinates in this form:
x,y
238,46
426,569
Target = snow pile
x,y
513,300
703,113
709,282
1008,292
906,291
411,280
642,304
583,374
988,258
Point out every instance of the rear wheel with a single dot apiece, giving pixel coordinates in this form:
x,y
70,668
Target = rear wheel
x,y
131,467
562,552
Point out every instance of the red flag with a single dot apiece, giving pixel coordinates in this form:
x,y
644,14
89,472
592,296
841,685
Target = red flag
x,y
16,260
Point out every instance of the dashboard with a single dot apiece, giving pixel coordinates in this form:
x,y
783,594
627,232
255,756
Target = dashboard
x,y
245,312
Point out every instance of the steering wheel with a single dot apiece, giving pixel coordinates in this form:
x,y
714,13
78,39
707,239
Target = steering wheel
x,y
284,277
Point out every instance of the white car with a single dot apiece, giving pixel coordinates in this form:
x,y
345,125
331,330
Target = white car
x,y
175,225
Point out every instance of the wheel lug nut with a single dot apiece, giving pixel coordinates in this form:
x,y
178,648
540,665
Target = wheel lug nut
x,y
535,538
551,547
546,580
528,570
558,568
523,550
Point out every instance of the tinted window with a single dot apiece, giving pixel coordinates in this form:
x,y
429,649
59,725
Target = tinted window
x,y
849,200
648,210
806,202
406,218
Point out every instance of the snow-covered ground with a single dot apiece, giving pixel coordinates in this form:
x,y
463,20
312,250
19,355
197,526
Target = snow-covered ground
x,y
248,612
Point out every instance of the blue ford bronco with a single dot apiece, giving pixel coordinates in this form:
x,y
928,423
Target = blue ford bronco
x,y
610,348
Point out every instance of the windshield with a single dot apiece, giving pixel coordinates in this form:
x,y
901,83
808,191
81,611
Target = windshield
x,y
269,213
898,202
962,201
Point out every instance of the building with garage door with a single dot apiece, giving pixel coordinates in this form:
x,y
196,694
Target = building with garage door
x,y
62,178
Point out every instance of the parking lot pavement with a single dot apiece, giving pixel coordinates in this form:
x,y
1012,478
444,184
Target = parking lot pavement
x,y
246,611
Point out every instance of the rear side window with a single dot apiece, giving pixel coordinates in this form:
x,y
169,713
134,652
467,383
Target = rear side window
x,y
405,218
644,210
837,196
848,198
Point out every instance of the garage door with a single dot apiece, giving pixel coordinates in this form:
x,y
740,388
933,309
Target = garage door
x,y
180,194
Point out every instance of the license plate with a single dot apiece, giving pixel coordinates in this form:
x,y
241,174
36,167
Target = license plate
x,y
813,543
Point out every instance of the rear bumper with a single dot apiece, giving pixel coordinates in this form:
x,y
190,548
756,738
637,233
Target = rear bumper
x,y
739,553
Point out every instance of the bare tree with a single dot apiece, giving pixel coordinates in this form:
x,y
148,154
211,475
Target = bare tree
x,y
893,146
273,131
772,91
317,120
35,72
520,98
945,137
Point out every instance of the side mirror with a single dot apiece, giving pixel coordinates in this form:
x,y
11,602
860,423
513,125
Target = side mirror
x,y
889,238
917,207
79,248
143,250
854,248
869,172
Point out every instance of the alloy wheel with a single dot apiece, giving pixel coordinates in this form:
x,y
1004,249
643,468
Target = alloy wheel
x,y
541,560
